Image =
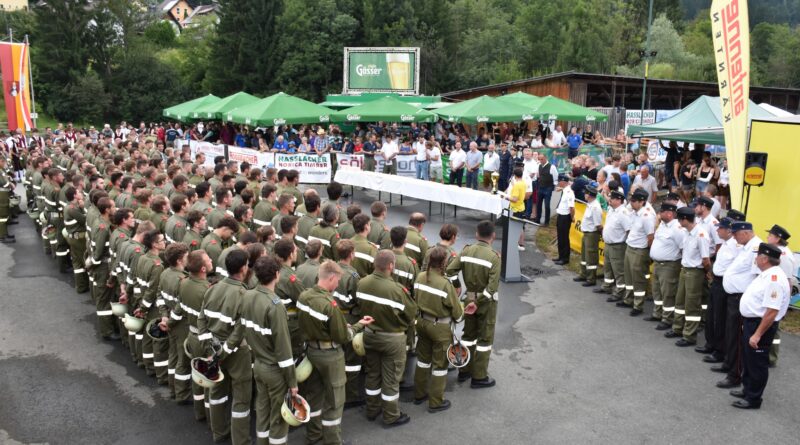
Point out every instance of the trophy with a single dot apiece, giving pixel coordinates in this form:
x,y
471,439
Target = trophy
x,y
495,178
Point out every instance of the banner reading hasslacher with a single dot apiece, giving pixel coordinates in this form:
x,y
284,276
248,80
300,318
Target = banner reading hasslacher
x,y
730,28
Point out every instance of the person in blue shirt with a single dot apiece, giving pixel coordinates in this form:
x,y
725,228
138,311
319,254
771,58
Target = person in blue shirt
x,y
241,140
624,178
280,144
574,141
291,148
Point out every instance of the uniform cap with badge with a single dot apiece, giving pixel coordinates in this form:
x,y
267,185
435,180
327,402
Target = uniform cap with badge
x,y
741,225
705,201
725,223
735,215
770,250
563,177
686,213
666,207
640,195
780,232
616,194
591,190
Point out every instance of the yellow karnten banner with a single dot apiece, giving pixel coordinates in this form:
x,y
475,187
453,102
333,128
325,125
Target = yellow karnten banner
x,y
731,33
575,234
776,202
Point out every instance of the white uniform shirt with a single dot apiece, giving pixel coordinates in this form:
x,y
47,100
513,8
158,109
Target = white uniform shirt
x,y
743,269
642,225
491,162
434,152
710,224
695,247
566,202
610,168
558,138
530,169
458,158
668,241
727,253
788,265
592,216
769,290
617,223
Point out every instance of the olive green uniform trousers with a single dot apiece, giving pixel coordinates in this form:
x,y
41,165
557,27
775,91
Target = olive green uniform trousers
x,y
385,364
614,269
270,392
434,339
590,247
77,245
665,286
326,395
478,336
637,272
233,416
687,303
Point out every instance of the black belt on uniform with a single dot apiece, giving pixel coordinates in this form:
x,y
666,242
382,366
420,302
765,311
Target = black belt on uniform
x,y
372,331
590,231
615,244
429,317
322,344
665,262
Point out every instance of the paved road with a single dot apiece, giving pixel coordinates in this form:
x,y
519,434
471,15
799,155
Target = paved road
x,y
570,367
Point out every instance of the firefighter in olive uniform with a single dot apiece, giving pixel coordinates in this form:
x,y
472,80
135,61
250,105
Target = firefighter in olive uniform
x,y
391,306
416,244
695,265
591,226
326,232
439,308
219,323
100,259
326,330
155,352
75,223
364,251
189,303
289,289
479,265
169,283
345,295
267,334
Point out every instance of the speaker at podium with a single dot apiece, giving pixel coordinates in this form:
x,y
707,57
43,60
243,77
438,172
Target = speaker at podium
x,y
510,266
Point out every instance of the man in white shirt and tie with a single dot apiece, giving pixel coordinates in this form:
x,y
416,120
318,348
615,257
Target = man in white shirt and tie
x,y
491,164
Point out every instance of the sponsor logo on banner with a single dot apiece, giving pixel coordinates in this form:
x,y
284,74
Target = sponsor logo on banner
x,y
731,38
406,117
208,149
324,118
406,164
482,119
347,160
527,117
279,122
634,117
369,70
353,117
240,155
314,169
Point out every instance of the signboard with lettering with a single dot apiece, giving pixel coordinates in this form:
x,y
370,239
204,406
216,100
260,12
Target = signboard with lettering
x,y
381,70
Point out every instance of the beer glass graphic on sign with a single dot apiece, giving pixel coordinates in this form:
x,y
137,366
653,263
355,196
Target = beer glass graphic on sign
x,y
399,70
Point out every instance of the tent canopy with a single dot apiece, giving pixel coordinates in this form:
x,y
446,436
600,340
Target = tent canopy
x,y
183,110
388,109
556,109
484,109
340,101
700,122
522,99
218,109
280,109
780,112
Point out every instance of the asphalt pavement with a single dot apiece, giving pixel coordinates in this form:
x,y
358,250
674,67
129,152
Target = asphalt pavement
x,y
570,368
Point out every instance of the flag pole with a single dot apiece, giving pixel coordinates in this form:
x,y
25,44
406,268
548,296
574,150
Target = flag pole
x,y
30,83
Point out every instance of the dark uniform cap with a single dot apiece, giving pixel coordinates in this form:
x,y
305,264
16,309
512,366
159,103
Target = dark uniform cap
x,y
640,195
563,177
735,215
590,190
665,207
769,250
705,201
672,197
616,194
725,223
780,232
741,225
686,213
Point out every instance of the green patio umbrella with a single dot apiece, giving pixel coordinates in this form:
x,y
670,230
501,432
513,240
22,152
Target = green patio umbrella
x,y
484,109
386,109
554,108
280,109
183,111
523,99
220,108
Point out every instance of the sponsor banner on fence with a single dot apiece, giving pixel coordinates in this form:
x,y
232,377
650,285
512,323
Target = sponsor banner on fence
x,y
252,157
314,169
575,234
210,150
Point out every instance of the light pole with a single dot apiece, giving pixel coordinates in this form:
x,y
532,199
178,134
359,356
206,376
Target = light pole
x,y
647,54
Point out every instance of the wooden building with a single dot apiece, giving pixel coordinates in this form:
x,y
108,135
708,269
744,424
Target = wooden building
x,y
612,91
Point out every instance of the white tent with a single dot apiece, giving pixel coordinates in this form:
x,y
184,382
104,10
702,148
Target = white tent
x,y
780,112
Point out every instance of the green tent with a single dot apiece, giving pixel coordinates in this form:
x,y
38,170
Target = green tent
x,y
555,109
220,108
700,122
484,109
523,99
388,109
183,111
280,109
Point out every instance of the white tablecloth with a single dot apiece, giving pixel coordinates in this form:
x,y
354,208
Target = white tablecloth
x,y
424,190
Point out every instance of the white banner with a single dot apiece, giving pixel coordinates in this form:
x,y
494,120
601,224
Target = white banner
x,y
634,117
252,157
406,164
210,150
314,169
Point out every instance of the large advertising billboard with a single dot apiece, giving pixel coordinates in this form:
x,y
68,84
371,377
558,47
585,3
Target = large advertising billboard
x,y
381,70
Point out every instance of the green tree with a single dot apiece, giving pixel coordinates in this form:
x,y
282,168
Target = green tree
x,y
388,22
161,33
20,22
60,37
88,98
243,53
317,70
